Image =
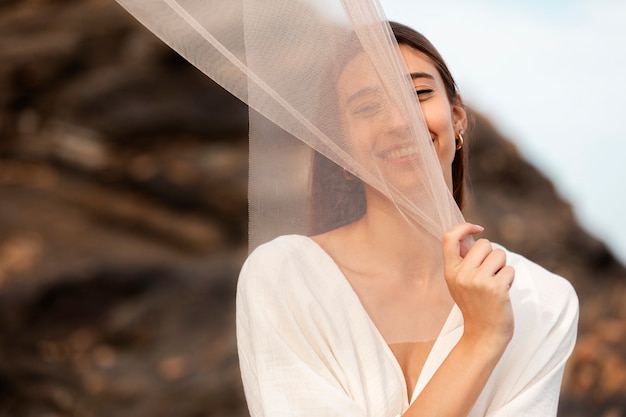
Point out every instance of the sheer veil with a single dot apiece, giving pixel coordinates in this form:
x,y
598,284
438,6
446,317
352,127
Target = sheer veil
x,y
284,58
304,67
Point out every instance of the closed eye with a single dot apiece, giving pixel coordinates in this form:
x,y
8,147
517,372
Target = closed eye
x,y
423,92
367,110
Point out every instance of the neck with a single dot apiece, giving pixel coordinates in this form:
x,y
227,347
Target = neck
x,y
387,243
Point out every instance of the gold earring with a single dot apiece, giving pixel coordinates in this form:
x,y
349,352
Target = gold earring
x,y
459,140
347,175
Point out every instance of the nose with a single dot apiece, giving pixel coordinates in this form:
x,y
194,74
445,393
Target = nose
x,y
396,121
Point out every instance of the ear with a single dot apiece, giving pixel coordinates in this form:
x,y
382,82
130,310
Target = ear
x,y
459,115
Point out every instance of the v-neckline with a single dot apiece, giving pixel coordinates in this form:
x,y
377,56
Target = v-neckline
x,y
381,340
405,356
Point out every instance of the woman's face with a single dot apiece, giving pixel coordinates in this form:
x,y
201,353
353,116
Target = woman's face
x,y
378,133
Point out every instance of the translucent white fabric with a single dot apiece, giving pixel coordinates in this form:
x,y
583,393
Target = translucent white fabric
x,y
334,125
288,60
309,348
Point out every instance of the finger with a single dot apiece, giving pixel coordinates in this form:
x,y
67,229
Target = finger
x,y
466,245
477,254
494,262
507,275
453,238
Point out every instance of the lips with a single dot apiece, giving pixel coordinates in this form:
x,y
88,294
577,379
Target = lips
x,y
400,152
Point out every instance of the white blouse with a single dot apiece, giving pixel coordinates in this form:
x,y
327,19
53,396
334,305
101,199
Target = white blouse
x,y
308,348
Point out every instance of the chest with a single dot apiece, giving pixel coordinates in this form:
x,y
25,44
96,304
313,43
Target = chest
x,y
404,314
411,357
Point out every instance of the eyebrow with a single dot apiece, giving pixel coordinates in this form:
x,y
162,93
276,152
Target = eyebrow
x,y
415,75
362,92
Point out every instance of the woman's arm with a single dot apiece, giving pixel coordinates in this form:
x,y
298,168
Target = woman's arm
x,y
479,283
457,384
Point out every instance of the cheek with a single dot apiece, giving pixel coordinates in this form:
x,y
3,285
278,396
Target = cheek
x,y
360,133
439,121
355,136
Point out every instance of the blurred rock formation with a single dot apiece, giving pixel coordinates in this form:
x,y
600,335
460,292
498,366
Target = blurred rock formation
x,y
123,176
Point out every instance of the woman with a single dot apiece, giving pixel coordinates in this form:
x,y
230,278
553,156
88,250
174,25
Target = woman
x,y
361,318
387,309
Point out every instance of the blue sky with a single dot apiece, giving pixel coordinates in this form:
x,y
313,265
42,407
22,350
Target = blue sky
x,y
551,76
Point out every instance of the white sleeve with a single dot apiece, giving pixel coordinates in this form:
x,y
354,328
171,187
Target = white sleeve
x,y
529,377
289,356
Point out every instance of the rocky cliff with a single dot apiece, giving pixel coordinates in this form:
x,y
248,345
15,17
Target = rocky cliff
x,y
123,226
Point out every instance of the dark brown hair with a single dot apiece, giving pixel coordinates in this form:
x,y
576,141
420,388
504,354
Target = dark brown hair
x,y
346,202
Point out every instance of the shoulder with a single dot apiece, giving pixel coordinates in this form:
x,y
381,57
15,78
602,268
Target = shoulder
x,y
546,283
551,296
277,263
280,252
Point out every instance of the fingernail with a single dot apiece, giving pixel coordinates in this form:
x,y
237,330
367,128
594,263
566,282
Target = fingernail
x,y
479,227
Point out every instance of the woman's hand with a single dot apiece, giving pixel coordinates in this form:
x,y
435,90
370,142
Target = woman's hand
x,y
479,281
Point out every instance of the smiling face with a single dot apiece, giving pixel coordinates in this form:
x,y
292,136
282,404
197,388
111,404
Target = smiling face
x,y
375,129
443,119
